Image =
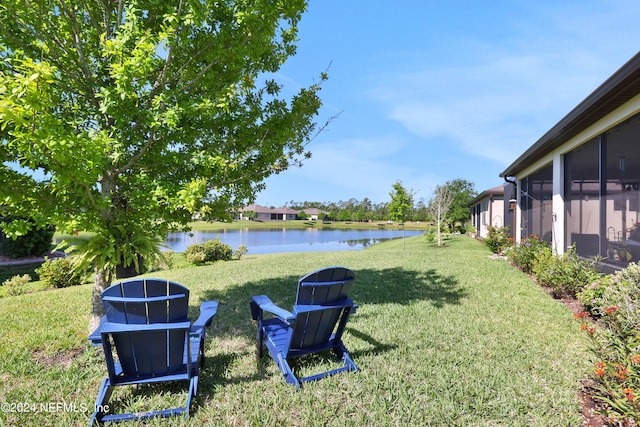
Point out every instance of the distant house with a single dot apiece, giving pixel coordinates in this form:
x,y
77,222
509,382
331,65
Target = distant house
x,y
579,184
314,213
487,209
276,214
283,214
262,213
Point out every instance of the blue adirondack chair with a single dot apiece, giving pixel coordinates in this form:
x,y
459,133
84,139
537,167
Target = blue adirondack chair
x,y
147,338
316,323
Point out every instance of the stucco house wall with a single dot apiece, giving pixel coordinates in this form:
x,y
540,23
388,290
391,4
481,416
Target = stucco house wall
x,y
487,209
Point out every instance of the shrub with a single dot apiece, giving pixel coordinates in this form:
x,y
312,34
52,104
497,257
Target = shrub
x,y
566,275
524,254
460,229
242,249
195,256
616,345
35,242
163,261
209,251
498,239
16,285
61,273
592,296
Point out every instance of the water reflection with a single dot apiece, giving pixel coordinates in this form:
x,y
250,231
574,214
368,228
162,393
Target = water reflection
x,y
288,240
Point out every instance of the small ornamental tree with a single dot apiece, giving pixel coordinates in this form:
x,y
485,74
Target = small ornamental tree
x,y
400,206
439,207
126,118
252,215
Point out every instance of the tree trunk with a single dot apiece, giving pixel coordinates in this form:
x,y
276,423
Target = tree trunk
x,y
101,282
403,244
439,228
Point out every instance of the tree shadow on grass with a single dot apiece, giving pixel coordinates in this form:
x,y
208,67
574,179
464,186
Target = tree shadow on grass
x,y
401,286
372,286
391,285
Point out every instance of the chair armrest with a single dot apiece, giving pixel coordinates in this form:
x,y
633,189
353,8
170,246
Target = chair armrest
x,y
95,337
354,308
208,310
263,303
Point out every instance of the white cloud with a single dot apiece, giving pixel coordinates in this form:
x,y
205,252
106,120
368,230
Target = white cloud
x,y
495,100
493,109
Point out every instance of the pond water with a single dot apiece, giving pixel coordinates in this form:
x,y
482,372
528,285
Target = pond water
x,y
264,241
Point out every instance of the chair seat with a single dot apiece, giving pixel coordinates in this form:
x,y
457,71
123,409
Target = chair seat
x,y
278,333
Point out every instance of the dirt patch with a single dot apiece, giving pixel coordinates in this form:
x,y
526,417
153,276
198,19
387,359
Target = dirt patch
x,y
589,407
62,359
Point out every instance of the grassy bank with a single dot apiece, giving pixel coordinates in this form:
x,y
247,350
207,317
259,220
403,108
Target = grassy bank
x,y
443,336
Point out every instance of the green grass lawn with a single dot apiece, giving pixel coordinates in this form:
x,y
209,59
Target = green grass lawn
x,y
443,336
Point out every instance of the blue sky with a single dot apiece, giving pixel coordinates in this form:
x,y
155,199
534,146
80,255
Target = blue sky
x,y
429,91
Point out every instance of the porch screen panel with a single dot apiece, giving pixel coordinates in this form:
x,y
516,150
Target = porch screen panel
x,y
535,201
621,170
582,198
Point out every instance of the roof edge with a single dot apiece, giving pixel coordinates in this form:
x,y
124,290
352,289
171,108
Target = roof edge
x,y
593,108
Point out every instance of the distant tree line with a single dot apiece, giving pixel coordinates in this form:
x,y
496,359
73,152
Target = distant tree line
x,y
358,210
365,210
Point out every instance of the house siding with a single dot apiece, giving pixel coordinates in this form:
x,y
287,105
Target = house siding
x,y
276,214
487,210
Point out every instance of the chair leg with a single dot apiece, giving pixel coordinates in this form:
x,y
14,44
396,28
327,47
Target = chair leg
x,y
99,417
345,357
202,343
104,394
287,372
193,390
259,340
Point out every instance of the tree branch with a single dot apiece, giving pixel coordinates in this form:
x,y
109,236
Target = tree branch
x,y
77,40
136,157
162,77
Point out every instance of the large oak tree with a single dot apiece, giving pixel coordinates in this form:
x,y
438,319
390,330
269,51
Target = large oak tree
x,y
125,118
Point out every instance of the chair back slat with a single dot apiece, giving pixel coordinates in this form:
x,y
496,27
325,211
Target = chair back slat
x,y
325,286
329,288
135,302
148,301
314,328
148,354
